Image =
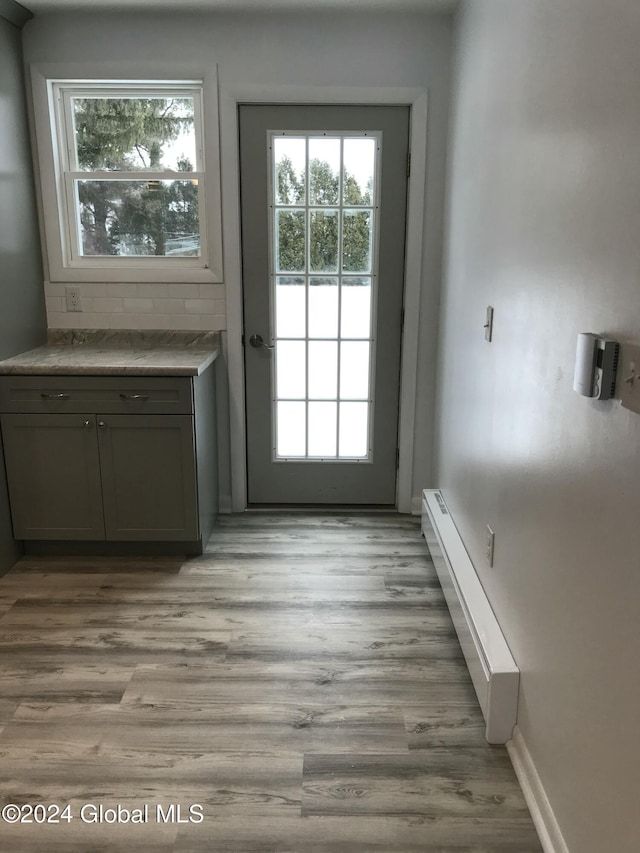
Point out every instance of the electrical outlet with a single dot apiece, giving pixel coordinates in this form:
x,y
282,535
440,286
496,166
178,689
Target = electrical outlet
x,y
489,543
73,299
488,324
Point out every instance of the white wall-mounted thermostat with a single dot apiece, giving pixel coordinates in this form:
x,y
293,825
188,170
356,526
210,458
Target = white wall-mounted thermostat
x,y
596,366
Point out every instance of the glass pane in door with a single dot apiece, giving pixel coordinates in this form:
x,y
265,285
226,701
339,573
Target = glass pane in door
x,y
291,308
358,170
323,274
355,317
324,171
323,308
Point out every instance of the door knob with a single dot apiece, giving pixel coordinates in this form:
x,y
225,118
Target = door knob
x,y
257,342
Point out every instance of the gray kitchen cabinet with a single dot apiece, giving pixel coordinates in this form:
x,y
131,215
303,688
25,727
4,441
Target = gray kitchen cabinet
x,y
53,471
107,459
148,476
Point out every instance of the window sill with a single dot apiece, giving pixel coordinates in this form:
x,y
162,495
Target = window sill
x,y
135,274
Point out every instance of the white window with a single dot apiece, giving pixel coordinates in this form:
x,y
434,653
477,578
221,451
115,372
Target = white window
x,y
125,194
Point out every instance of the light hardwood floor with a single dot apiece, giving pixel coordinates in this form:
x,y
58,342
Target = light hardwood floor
x,y
301,680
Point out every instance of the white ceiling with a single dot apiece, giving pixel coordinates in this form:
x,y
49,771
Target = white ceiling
x,y
37,6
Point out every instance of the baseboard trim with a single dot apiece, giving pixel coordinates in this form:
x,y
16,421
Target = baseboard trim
x,y
535,796
224,504
416,505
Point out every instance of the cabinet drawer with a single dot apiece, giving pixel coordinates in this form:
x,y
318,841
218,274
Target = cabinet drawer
x,y
104,394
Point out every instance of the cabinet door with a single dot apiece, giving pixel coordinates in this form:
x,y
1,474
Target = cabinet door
x,y
53,473
148,477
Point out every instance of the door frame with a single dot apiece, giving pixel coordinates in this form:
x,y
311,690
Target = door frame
x,y
416,100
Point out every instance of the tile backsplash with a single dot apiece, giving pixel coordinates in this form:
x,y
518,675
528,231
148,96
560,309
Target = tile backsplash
x,y
142,305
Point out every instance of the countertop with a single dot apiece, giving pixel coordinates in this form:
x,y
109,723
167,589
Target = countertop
x,y
117,353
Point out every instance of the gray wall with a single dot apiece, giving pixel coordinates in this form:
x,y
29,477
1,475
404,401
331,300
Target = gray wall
x,y
277,49
22,315
544,224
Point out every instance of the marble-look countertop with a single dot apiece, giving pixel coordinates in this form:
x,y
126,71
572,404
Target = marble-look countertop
x,y
117,353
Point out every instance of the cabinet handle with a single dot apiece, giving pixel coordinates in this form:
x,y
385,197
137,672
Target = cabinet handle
x,y
87,423
134,396
101,424
54,396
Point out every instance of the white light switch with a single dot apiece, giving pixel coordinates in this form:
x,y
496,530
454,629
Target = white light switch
x,y
488,324
629,377
489,545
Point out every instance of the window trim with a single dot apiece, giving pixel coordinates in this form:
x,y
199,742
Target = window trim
x,y
51,87
61,94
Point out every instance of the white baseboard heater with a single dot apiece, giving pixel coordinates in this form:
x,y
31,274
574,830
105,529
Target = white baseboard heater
x,y
492,668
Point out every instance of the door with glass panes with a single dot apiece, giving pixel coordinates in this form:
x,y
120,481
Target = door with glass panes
x,y
323,202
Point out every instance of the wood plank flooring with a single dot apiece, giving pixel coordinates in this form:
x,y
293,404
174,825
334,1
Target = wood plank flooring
x,y
301,680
